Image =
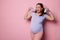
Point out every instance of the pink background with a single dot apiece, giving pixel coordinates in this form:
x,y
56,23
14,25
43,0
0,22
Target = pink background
x,y
14,27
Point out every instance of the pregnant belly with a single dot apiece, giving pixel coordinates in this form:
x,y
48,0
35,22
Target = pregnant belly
x,y
36,28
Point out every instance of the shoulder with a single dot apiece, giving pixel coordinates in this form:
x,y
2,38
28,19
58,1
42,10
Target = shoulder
x,y
45,15
32,13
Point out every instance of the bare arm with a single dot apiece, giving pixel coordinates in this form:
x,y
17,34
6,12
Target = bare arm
x,y
50,16
27,14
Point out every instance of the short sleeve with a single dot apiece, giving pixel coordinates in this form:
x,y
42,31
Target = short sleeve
x,y
31,13
45,15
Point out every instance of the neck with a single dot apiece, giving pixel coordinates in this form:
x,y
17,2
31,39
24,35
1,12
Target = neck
x,y
38,12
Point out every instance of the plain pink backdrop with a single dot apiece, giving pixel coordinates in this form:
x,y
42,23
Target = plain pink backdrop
x,y
14,27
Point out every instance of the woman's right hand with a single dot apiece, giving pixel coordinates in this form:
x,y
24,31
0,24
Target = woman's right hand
x,y
30,8
27,15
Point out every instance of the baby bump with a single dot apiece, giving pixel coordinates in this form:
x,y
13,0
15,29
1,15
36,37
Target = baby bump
x,y
36,28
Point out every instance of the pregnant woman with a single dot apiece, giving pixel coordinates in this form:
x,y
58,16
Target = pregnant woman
x,y
37,17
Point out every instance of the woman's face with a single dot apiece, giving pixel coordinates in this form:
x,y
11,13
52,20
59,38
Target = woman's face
x,y
38,8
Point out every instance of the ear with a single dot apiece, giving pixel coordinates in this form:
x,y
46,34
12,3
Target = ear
x,y
42,8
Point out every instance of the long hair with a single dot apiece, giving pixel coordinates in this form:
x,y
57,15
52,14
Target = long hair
x,y
42,9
